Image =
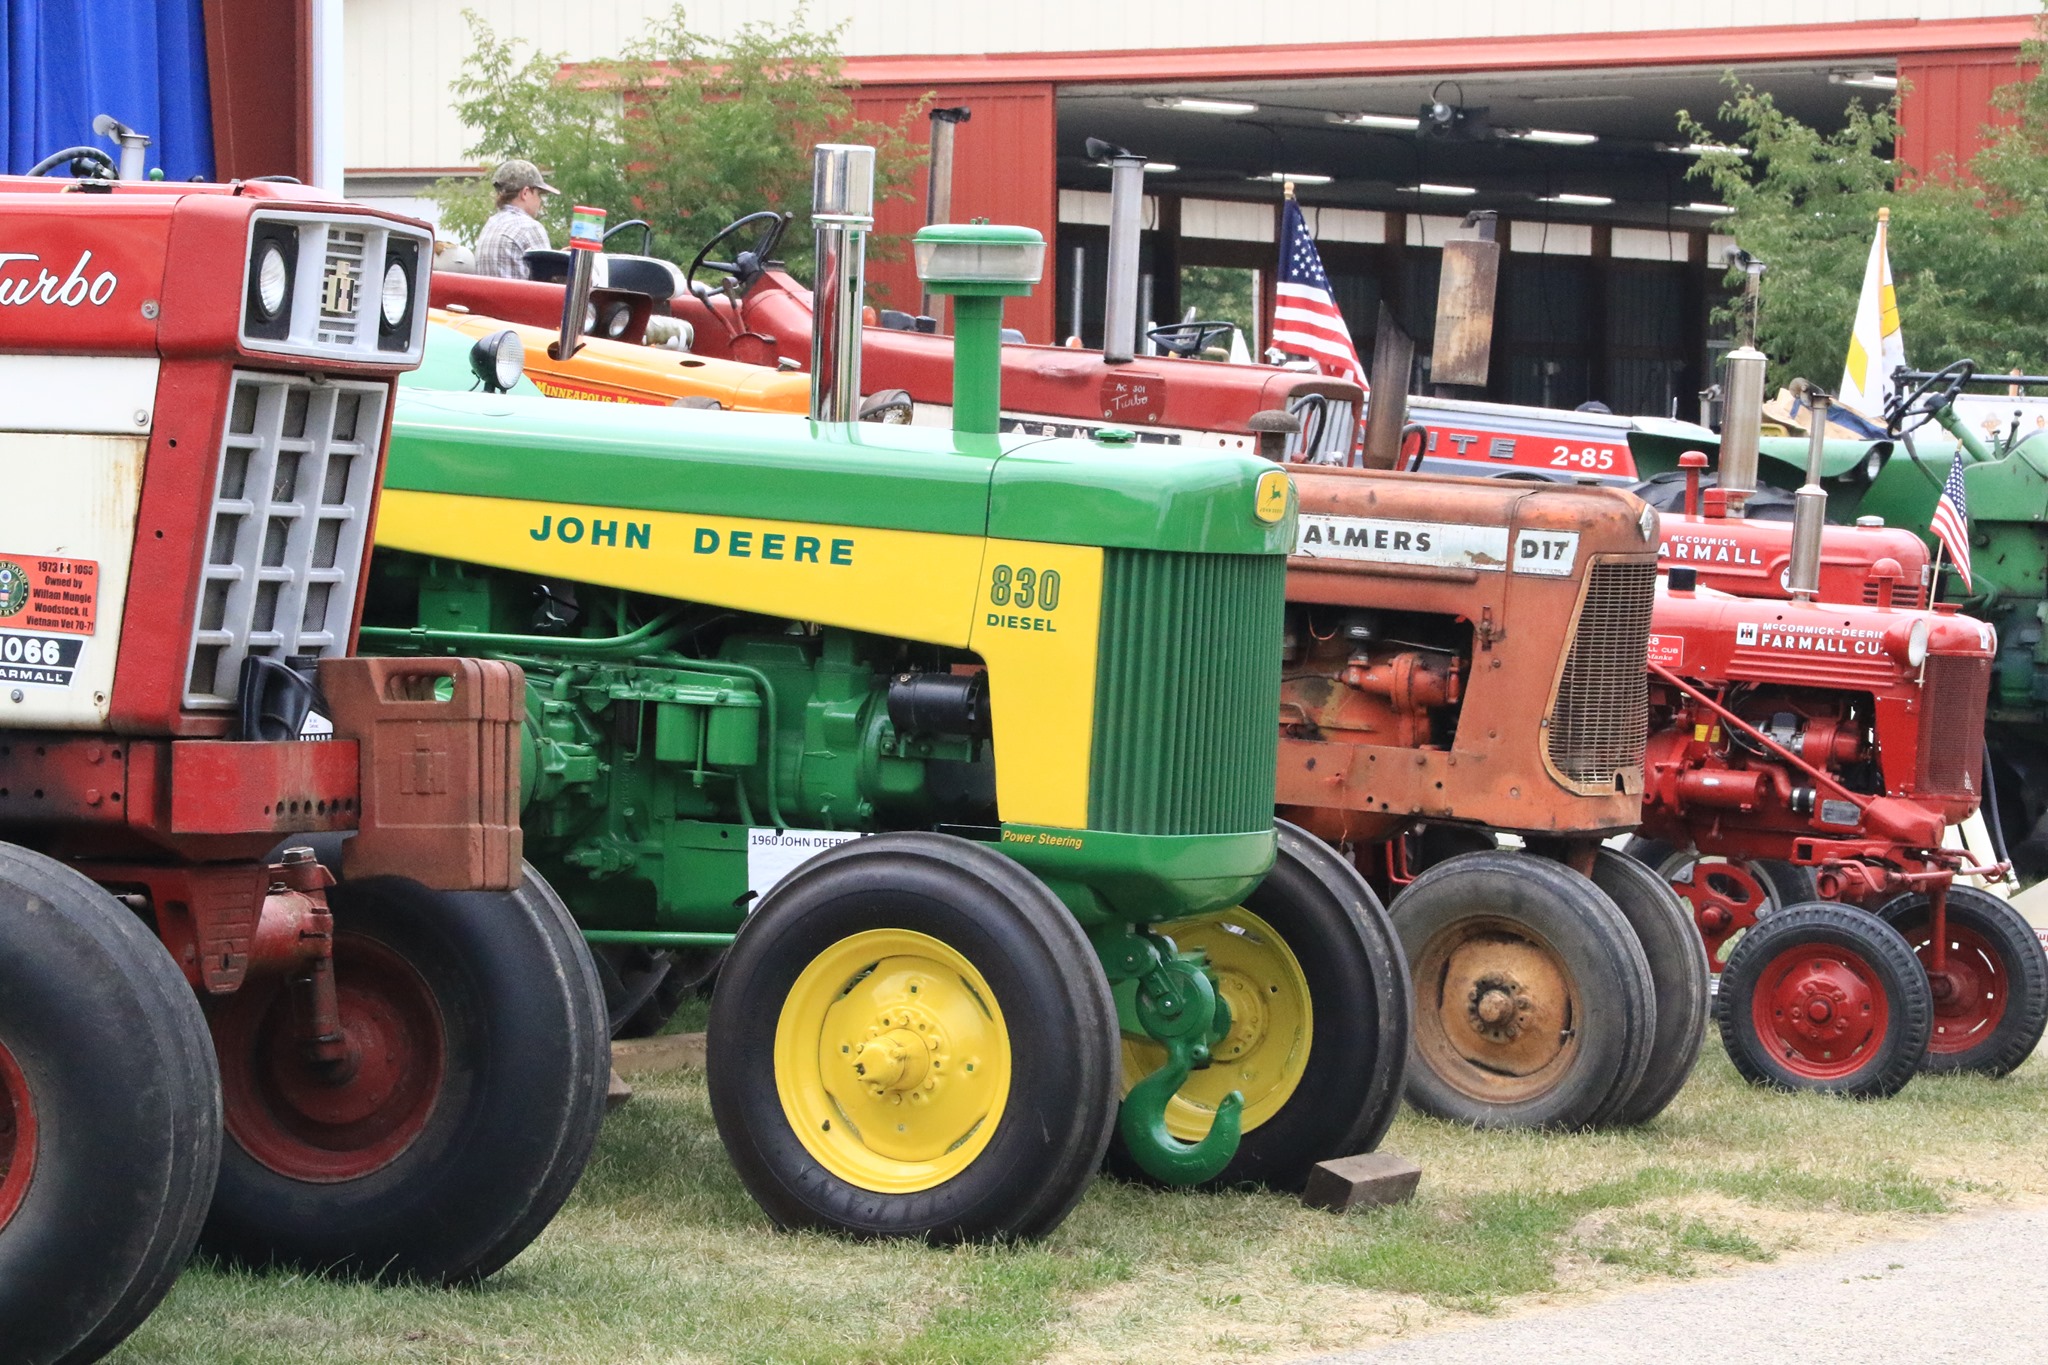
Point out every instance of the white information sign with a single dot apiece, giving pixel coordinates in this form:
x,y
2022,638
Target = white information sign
x,y
773,854
1437,544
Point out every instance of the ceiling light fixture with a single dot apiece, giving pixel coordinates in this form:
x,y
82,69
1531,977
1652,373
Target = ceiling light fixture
x,y
1393,123
1699,207
1865,80
1298,177
1426,188
1550,136
1161,167
1594,201
1193,105
1701,148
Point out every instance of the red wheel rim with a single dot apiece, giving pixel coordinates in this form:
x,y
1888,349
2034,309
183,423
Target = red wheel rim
x,y
1821,1010
325,1124
1725,898
17,1136
1970,994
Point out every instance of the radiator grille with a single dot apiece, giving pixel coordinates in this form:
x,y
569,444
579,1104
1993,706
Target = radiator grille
x,y
1597,726
1905,597
343,278
1187,693
1952,726
298,468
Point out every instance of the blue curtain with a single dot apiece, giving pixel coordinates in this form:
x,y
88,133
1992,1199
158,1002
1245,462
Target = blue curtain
x,y
143,61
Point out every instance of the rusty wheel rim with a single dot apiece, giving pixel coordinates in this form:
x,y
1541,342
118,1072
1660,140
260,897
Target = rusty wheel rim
x,y
327,1124
17,1136
1821,1010
1497,1010
1970,993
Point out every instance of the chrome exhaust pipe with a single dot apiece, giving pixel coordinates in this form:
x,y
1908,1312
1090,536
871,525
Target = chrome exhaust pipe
x,y
586,240
843,211
1126,218
1742,387
1809,504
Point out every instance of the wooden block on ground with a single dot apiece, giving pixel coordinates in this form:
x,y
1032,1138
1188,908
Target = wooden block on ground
x,y
619,1092
670,1052
1368,1180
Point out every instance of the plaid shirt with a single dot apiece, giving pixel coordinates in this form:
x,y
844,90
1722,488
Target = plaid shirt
x,y
502,246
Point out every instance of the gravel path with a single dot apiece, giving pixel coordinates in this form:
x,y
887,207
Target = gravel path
x,y
1973,1290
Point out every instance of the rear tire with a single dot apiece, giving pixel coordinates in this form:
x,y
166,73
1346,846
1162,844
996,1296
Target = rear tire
x,y
444,1162
1678,974
1534,1004
1825,998
1992,1005
958,968
1321,1013
109,1115
644,987
1724,896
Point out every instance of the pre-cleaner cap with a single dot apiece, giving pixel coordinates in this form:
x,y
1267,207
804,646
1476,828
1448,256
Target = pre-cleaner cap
x,y
843,183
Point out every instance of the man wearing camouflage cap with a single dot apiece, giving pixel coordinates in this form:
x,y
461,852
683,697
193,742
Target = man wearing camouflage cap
x,y
515,228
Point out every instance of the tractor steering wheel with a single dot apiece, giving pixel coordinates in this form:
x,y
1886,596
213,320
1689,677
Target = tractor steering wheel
x,y
746,265
1190,338
1911,411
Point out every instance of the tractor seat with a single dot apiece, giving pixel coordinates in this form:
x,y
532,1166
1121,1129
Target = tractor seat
x,y
547,265
649,275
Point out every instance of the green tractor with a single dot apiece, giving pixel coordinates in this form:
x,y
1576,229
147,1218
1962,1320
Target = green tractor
x,y
958,747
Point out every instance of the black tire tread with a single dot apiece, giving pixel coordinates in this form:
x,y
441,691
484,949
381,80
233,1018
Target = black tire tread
x,y
2026,1017
1678,972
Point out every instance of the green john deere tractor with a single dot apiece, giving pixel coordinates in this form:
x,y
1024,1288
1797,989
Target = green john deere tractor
x,y
959,747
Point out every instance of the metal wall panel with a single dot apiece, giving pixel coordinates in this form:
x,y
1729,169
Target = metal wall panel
x,y
1947,104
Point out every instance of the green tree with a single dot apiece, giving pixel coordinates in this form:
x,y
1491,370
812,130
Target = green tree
x,y
684,131
1968,245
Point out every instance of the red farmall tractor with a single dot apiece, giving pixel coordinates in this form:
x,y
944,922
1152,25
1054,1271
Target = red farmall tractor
x,y
269,966
1809,746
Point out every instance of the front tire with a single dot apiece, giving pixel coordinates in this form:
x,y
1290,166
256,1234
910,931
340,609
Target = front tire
x,y
1321,1013
1824,998
1725,896
109,1116
1991,1004
485,1063
1534,1004
912,1037
1678,977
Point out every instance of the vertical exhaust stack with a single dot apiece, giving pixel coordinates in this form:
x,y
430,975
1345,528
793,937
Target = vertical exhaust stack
x,y
1126,218
843,210
938,193
586,240
1810,503
133,145
1742,409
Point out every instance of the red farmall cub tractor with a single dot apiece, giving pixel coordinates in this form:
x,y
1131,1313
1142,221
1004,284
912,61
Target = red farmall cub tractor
x,y
1806,756
388,1048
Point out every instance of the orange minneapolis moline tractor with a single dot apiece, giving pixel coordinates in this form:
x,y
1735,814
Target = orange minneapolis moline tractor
x,y
271,975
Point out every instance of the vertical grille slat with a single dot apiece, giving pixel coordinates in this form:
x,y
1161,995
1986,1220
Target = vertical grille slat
x,y
1952,725
1187,693
347,251
288,539
1599,722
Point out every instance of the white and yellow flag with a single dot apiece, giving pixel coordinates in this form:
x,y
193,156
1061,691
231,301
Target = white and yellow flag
x,y
1876,347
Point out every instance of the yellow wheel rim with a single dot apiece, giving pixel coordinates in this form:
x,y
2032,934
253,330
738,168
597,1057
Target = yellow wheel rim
x,y
892,1061
1271,1025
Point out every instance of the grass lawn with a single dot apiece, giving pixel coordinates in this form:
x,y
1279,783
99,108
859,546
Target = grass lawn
x,y
660,1256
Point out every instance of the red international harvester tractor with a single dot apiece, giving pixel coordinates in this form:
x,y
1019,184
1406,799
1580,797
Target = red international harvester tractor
x,y
220,835
1805,758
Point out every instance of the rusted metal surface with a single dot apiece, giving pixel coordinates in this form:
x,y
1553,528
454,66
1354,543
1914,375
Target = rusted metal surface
x,y
1464,312
440,776
1498,1012
1393,361
1378,733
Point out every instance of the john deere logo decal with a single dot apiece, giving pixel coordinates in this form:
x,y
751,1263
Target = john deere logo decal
x,y
13,588
1269,500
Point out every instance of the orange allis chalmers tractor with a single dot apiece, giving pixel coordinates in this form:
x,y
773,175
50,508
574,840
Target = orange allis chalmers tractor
x,y
1807,754
295,993
1465,657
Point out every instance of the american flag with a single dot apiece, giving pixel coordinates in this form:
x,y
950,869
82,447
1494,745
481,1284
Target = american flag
x,y
1305,317
1951,525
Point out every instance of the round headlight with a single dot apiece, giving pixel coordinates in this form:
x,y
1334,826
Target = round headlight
x,y
271,279
617,320
1916,644
1873,464
498,360
590,317
397,293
